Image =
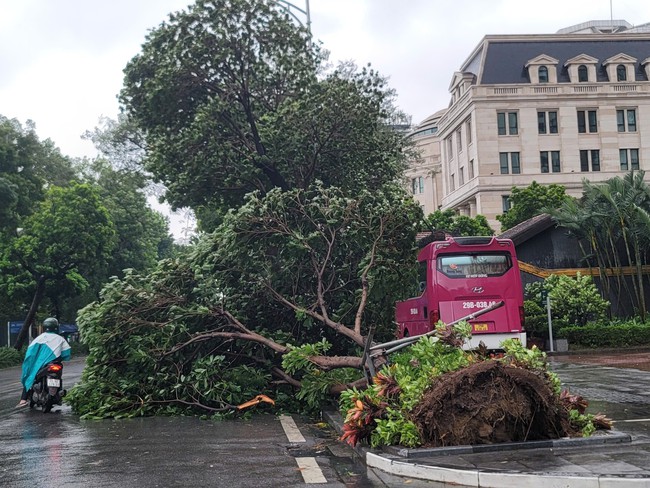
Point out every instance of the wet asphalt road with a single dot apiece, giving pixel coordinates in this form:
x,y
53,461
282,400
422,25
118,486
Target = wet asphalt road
x,y
58,449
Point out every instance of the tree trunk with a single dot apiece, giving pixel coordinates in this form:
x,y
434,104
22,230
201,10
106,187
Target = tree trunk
x,y
38,296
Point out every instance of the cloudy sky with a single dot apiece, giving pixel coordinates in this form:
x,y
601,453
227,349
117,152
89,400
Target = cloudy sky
x,y
61,61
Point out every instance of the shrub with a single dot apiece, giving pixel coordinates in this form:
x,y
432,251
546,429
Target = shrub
x,y
574,301
536,319
10,357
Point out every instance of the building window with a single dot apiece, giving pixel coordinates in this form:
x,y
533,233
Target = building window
x,y
629,159
505,203
503,162
417,185
543,161
583,74
461,176
469,131
510,128
509,163
621,73
555,161
450,149
587,120
590,158
514,163
549,156
547,122
459,142
543,74
452,182
626,120
471,169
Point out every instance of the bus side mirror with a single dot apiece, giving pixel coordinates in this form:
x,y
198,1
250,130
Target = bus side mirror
x,y
423,286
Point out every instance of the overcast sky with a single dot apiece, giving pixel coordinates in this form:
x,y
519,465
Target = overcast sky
x,y
61,61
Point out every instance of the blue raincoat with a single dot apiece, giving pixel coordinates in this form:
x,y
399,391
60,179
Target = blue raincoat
x,y
44,349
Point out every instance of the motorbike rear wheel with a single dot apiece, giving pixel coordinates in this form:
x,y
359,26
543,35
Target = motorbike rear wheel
x,y
49,403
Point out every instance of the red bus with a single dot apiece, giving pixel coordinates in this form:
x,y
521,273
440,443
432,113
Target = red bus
x,y
463,275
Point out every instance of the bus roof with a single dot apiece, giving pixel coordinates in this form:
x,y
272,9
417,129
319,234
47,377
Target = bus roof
x,y
465,244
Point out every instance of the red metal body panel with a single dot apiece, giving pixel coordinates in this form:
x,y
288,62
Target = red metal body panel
x,y
465,275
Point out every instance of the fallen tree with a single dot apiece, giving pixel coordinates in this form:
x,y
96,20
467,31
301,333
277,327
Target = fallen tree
x,y
277,301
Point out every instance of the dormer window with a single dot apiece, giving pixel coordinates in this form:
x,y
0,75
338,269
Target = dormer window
x,y
543,74
620,68
542,69
582,68
583,74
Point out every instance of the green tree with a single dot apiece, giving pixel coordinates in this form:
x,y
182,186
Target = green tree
x,y
533,200
232,98
610,219
458,225
120,142
141,232
27,166
67,239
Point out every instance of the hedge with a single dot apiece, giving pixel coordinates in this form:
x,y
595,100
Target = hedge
x,y
607,335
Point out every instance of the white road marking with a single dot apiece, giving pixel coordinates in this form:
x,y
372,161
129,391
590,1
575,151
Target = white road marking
x,y
291,429
308,466
310,470
632,420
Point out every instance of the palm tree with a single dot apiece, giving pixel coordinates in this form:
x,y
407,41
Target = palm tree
x,y
609,218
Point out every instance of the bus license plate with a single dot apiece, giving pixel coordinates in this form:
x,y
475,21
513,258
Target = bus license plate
x,y
53,382
480,327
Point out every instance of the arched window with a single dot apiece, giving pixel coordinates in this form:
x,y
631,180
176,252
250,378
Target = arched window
x,y
543,74
582,73
621,73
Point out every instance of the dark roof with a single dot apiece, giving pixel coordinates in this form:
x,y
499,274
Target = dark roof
x,y
505,60
528,228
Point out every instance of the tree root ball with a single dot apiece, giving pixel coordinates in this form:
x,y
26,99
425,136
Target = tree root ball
x,y
488,403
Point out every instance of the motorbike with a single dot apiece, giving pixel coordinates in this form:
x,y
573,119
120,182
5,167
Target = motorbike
x,y
47,389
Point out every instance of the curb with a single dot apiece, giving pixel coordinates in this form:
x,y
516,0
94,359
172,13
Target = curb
x,y
598,438
394,460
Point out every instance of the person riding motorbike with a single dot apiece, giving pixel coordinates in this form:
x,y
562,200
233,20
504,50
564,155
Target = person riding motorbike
x,y
44,349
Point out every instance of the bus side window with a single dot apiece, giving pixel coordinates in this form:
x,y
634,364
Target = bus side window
x,y
422,275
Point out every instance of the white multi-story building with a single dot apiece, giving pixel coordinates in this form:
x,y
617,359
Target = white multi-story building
x,y
555,108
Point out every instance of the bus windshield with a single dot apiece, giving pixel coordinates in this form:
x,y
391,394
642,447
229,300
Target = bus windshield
x,y
474,265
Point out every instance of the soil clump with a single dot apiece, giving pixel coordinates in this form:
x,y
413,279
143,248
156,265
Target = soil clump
x,y
490,402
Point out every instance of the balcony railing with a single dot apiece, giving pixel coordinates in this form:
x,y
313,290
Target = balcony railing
x,y
511,92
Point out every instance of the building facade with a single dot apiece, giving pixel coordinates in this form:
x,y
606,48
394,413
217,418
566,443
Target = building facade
x,y
555,108
424,177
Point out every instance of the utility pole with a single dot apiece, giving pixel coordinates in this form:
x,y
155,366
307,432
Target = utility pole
x,y
287,6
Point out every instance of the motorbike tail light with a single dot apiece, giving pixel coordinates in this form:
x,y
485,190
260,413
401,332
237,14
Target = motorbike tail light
x,y
55,367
